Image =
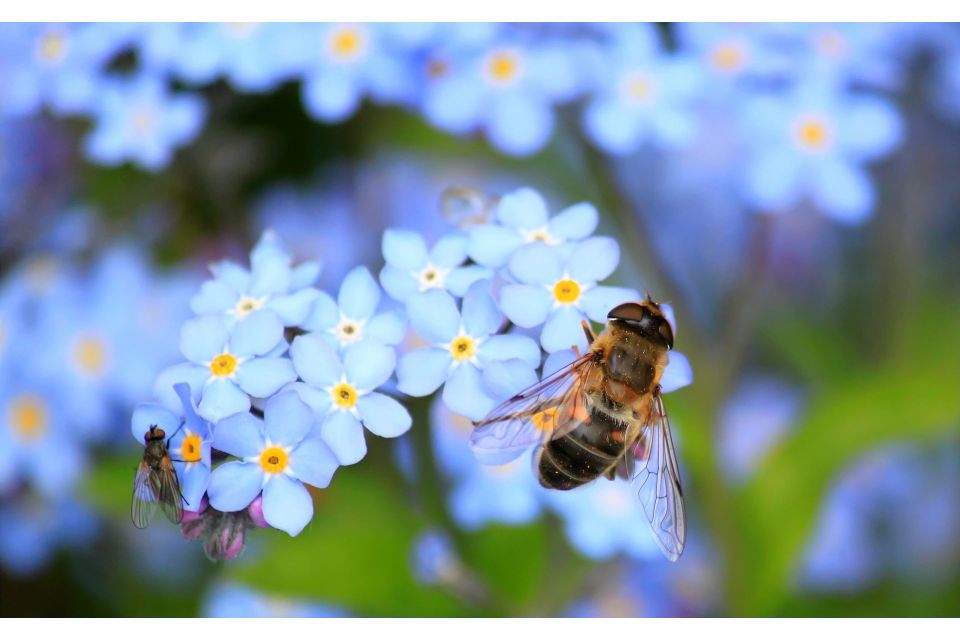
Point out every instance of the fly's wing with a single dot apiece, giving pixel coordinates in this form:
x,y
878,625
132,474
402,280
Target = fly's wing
x,y
171,500
653,465
549,409
146,493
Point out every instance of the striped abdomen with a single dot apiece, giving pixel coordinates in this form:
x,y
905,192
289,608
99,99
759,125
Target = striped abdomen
x,y
582,455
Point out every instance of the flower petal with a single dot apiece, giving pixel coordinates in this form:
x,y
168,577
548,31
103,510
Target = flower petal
x,y
598,301
383,415
324,314
194,481
678,373
359,294
507,346
256,334
525,305
343,433
270,276
399,284
147,415
202,339
490,245
536,264
239,435
388,328
262,377
434,315
234,485
594,259
562,330
575,222
316,360
404,250
215,296
465,393
480,314
287,504
222,398
421,372
313,462
317,399
504,378
462,278
368,364
450,251
190,374
523,209
294,308
287,419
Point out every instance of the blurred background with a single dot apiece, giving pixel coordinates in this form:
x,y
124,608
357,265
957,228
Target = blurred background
x,y
791,189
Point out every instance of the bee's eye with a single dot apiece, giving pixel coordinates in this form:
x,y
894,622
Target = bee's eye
x,y
666,332
629,311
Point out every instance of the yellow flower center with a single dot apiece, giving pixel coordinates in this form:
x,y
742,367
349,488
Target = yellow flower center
x,y
223,365
190,449
463,348
90,355
637,88
545,420
52,47
813,134
344,395
143,120
566,291
348,331
503,67
245,306
27,416
240,29
274,459
728,57
346,43
830,43
437,68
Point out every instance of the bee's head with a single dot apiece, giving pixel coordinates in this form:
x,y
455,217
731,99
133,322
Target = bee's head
x,y
646,318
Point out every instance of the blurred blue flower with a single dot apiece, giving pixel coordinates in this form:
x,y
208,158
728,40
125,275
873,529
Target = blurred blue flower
x,y
226,600
478,367
411,268
228,366
813,142
344,62
433,558
558,290
642,94
276,456
139,120
522,218
270,285
733,55
342,393
56,65
31,530
190,440
508,88
353,316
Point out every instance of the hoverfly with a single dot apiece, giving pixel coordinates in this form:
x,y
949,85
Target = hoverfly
x,y
601,415
156,482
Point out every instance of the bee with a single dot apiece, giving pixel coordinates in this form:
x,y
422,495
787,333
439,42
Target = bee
x,y
156,482
601,415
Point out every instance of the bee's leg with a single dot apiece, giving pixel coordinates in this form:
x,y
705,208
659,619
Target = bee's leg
x,y
611,473
588,331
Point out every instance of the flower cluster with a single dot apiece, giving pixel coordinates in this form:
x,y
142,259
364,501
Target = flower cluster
x,y
809,104
284,381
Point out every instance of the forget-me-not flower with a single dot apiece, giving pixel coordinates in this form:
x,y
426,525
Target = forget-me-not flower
x,y
411,268
276,456
522,218
271,284
352,317
559,290
139,120
814,142
476,365
228,366
342,393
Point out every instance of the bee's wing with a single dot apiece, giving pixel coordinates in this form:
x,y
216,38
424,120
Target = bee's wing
x,y
652,463
510,429
171,500
146,492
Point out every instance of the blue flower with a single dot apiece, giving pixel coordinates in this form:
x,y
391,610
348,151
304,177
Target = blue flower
x,y
276,456
642,94
228,600
141,121
433,558
813,143
411,268
732,55
344,62
228,366
342,393
36,443
508,88
559,290
31,530
190,440
478,367
271,285
522,218
352,317
59,65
